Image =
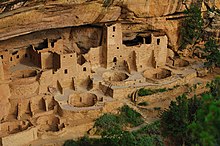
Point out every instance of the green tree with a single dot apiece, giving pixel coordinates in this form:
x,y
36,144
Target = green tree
x,y
212,53
205,130
192,26
215,87
175,120
70,143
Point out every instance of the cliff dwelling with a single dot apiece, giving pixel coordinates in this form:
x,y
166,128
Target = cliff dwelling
x,y
56,80
44,79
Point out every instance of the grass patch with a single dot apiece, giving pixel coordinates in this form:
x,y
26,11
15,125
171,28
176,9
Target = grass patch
x,y
145,92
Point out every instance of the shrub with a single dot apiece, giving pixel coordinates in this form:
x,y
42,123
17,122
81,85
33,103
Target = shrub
x,y
145,92
143,103
212,53
149,135
151,129
131,116
161,90
157,108
107,121
70,143
107,3
110,124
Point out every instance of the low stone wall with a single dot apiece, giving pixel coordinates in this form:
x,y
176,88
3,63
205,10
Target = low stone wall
x,y
20,138
121,92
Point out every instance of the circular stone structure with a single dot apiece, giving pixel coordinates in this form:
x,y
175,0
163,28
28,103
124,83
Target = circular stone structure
x,y
114,76
157,73
82,99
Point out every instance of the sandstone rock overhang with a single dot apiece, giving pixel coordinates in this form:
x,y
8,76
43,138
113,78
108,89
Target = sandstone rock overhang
x,y
31,19
19,17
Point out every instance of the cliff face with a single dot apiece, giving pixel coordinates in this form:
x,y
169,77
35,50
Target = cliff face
x,y
19,17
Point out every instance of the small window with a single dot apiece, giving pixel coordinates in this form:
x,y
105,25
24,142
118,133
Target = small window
x,y
117,47
158,41
71,55
11,59
17,56
113,28
113,35
2,56
64,56
84,68
65,71
120,56
14,53
25,55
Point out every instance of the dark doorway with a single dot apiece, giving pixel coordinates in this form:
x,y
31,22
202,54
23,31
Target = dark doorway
x,y
114,59
148,39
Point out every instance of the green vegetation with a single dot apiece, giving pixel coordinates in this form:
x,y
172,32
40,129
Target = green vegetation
x,y
143,103
107,3
131,116
192,27
145,92
109,124
193,32
215,87
188,121
157,108
175,120
205,130
111,127
193,121
212,53
149,135
115,134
